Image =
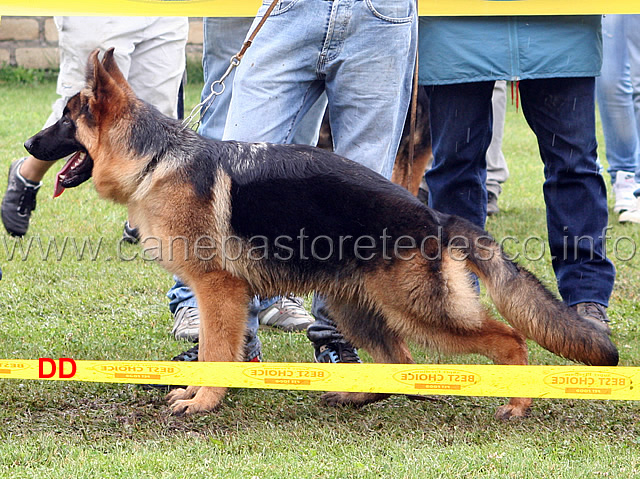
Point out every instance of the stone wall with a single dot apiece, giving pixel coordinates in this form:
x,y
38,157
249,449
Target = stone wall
x,y
32,42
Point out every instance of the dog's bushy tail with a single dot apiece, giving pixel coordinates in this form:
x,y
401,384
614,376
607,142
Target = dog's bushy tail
x,y
530,307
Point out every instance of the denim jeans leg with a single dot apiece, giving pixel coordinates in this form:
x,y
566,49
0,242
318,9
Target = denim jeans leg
x,y
461,127
252,344
561,112
368,103
280,93
276,81
614,92
180,296
223,38
633,44
307,131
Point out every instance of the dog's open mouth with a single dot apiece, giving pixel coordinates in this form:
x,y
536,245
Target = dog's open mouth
x,y
76,171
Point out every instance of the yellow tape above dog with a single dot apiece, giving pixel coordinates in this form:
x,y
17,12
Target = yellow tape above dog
x,y
248,8
581,382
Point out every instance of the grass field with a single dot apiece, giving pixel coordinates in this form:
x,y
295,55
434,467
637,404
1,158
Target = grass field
x,y
98,306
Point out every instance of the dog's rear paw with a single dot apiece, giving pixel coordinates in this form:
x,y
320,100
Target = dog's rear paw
x,y
351,399
513,411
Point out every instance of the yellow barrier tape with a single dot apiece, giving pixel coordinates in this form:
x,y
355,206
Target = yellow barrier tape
x,y
248,8
579,382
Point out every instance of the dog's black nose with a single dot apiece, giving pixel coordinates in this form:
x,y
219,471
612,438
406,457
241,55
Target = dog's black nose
x,y
28,144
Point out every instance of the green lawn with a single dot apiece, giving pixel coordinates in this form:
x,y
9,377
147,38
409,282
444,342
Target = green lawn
x,y
101,307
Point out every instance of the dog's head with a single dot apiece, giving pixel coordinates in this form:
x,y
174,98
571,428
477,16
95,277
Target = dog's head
x,y
60,140
87,122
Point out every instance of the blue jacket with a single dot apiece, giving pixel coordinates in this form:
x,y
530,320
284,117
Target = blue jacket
x,y
470,49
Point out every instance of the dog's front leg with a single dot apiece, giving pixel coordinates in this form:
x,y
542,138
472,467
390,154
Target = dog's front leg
x,y
223,302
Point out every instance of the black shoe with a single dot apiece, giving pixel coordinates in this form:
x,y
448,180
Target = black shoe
x,y
190,354
336,352
19,201
130,235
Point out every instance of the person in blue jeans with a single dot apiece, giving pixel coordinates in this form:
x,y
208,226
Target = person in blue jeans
x,y
556,60
361,54
223,38
618,95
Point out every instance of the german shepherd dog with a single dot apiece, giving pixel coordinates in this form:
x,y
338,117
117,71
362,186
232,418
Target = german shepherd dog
x,y
303,219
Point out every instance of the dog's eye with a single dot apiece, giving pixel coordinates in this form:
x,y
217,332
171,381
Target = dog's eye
x,y
66,121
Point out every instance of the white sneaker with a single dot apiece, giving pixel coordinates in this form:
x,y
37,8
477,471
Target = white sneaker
x,y
631,215
623,189
287,314
186,324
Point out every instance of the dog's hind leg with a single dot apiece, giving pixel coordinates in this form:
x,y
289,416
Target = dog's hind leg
x,y
223,302
440,308
367,330
493,339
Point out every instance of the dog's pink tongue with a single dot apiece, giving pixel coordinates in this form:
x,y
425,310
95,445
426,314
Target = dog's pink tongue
x,y
58,188
62,173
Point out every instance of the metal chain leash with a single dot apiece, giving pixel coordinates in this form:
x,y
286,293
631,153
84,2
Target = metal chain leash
x,y
195,117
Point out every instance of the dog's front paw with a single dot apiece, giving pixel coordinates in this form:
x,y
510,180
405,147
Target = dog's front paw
x,y
194,399
351,399
187,407
181,394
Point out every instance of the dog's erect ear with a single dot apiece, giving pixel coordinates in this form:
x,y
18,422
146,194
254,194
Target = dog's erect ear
x,y
110,65
98,79
92,66
105,93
